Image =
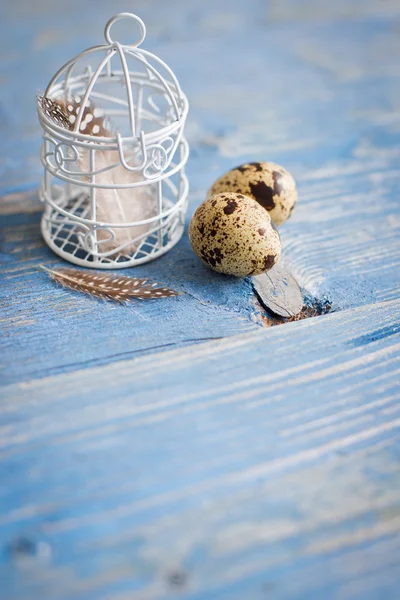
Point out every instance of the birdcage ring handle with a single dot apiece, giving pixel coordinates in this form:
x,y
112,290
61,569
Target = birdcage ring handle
x,y
125,15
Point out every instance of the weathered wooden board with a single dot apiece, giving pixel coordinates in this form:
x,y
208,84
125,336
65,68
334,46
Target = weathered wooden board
x,y
342,242
274,474
48,329
261,465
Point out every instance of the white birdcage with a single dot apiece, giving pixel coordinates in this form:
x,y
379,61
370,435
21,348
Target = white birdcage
x,y
116,199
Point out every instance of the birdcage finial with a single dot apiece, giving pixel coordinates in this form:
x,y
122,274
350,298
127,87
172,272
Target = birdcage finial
x,y
118,17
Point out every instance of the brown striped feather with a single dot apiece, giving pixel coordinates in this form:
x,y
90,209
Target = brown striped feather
x,y
109,287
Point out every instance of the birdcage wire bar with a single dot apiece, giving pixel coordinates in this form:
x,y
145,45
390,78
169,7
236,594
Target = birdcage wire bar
x,y
155,156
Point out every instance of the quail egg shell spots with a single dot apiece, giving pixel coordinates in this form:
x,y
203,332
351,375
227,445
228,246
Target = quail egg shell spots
x,y
271,185
234,235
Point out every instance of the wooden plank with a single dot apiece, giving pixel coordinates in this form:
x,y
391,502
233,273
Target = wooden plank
x,y
48,329
259,465
265,464
335,251
334,133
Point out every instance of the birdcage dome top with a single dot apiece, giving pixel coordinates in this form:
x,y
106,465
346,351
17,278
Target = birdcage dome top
x,y
136,89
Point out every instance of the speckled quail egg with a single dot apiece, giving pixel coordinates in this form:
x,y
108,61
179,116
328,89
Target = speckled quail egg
x,y
234,235
271,185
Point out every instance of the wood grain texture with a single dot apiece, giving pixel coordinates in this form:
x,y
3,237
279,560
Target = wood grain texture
x,y
264,464
276,475
47,329
330,117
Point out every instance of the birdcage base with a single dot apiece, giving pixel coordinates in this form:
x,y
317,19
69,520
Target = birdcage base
x,y
63,232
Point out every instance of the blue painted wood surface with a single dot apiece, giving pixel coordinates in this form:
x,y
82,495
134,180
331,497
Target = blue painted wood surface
x,y
272,474
264,464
